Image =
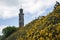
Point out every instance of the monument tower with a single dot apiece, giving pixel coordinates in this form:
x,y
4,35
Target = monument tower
x,y
21,18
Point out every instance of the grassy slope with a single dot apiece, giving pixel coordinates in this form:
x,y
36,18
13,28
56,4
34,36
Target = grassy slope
x,y
44,28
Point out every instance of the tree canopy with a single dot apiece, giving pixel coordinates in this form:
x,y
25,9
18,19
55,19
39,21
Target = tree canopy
x,y
8,30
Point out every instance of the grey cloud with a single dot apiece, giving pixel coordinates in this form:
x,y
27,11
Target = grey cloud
x,y
10,2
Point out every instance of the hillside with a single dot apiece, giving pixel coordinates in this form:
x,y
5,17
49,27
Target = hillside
x,y
44,28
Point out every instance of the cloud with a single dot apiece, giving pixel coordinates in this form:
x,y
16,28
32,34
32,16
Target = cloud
x,y
9,2
10,8
8,12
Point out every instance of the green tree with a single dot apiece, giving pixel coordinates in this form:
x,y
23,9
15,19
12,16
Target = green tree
x,y
0,37
8,30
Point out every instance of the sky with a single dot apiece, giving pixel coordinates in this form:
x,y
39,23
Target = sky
x,y
9,10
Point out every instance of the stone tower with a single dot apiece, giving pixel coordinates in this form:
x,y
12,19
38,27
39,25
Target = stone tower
x,y
21,18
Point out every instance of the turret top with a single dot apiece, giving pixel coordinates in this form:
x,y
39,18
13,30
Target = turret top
x,y
21,10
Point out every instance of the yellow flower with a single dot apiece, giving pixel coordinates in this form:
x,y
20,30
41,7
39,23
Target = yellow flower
x,y
50,34
42,32
46,33
41,38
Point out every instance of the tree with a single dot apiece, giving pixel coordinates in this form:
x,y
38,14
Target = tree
x,y
8,30
0,37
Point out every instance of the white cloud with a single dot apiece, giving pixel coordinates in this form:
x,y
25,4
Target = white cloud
x,y
8,12
9,9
